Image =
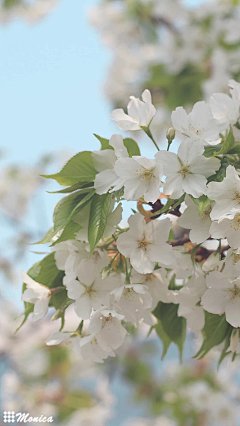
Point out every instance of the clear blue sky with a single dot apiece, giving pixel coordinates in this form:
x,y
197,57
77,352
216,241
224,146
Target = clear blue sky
x,y
51,76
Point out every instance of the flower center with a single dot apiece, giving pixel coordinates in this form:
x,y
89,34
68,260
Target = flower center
x,y
234,292
236,196
235,223
206,212
236,258
195,130
184,171
145,175
143,244
149,278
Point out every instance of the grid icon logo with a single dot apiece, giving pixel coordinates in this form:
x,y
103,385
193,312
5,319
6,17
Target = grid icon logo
x,y
9,416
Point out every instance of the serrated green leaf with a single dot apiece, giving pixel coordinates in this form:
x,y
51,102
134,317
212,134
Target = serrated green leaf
x,y
214,332
132,147
72,188
173,325
48,237
225,351
69,232
227,145
69,206
104,142
99,211
166,341
78,169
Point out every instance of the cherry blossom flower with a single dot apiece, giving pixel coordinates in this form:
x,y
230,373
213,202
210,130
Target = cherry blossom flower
x,y
38,294
188,298
157,284
145,244
226,194
199,225
106,326
107,180
141,177
223,295
68,255
90,291
198,125
140,113
186,171
224,109
227,227
132,300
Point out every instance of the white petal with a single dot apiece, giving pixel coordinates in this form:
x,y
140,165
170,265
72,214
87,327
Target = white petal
x,y
57,337
83,307
40,309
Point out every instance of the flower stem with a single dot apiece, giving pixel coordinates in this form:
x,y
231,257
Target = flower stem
x,y
149,134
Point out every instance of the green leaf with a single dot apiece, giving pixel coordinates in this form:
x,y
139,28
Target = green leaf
x,y
48,237
99,211
173,325
69,232
209,151
104,142
78,169
72,188
235,150
132,147
221,173
227,145
69,206
215,331
225,351
166,341
202,203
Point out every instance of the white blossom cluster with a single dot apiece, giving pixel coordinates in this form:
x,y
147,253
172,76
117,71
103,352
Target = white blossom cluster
x,y
171,36
132,269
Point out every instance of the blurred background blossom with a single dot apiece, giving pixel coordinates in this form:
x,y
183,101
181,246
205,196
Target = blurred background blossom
x,y
52,74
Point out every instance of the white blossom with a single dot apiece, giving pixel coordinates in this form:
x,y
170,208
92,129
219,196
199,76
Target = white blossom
x,y
38,294
145,244
140,113
223,295
226,194
188,298
106,326
107,180
199,225
227,227
187,171
224,109
131,300
157,284
90,291
198,125
141,177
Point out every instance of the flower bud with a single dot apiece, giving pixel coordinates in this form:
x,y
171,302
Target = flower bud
x,y
170,134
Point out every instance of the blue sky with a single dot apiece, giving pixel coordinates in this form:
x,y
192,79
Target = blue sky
x,y
51,77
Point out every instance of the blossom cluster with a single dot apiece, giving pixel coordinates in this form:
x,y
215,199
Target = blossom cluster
x,y
170,47
117,276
